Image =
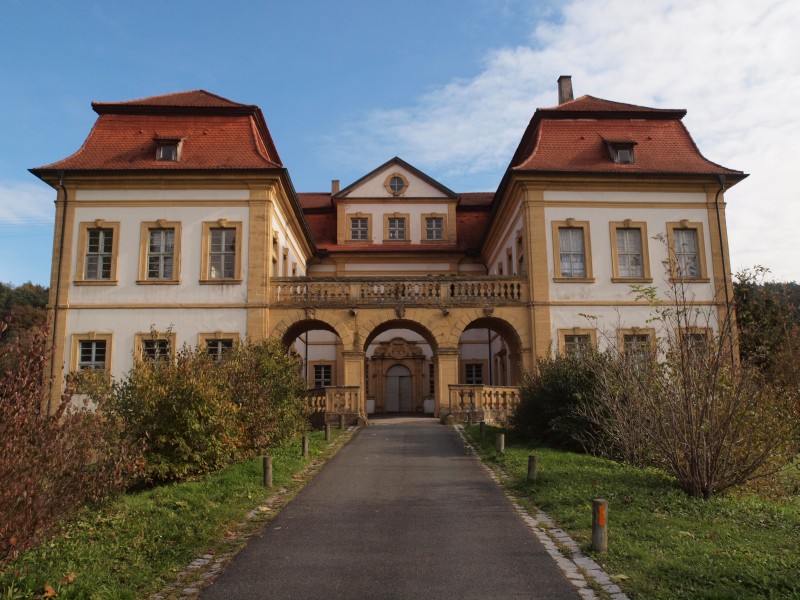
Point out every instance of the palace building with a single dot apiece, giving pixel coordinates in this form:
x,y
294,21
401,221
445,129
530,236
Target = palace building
x,y
177,223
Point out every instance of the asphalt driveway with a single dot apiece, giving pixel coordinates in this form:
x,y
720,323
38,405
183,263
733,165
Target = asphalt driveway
x,y
402,511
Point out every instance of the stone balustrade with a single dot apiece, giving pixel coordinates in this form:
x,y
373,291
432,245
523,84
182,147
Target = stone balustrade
x,y
343,399
490,403
361,291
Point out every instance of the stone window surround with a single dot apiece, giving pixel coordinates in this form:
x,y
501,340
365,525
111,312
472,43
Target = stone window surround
x,y
75,348
587,250
701,250
80,264
205,255
144,251
141,337
629,224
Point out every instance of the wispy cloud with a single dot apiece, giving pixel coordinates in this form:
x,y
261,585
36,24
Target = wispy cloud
x,y
26,204
732,63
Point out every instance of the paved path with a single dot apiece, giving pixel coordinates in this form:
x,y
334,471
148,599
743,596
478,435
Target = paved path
x,y
402,511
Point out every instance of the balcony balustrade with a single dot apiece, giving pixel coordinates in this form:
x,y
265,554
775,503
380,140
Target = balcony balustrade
x,y
343,399
428,291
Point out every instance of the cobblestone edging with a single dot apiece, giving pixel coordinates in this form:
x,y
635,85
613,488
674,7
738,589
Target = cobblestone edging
x,y
581,570
201,572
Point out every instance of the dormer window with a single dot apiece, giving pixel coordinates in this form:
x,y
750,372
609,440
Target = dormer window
x,y
621,152
168,150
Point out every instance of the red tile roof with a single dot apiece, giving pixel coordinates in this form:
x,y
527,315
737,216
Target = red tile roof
x,y
571,138
217,134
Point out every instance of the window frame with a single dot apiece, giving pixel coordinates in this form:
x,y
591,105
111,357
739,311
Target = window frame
x,y
424,228
406,227
312,372
613,226
349,237
205,258
83,240
89,336
388,180
580,331
649,331
482,363
558,276
697,226
140,338
204,338
684,333
144,252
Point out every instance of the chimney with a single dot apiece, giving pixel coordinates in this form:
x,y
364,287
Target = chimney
x,y
334,187
565,89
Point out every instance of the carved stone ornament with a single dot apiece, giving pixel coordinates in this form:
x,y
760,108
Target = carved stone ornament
x,y
400,311
311,312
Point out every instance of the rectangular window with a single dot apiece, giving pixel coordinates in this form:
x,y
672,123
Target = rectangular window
x,y
397,228
687,254
99,253
434,228
473,373
637,343
572,252
577,344
629,253
161,253
154,346
222,255
359,228
217,348
323,376
92,354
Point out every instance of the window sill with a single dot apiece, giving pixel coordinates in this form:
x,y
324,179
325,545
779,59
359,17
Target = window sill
x,y
631,280
385,241
158,281
573,279
220,281
95,282
689,280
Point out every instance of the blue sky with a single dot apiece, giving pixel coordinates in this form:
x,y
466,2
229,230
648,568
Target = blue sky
x,y
448,86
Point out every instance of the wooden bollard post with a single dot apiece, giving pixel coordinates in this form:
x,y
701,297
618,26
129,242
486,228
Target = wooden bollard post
x,y
483,428
267,471
305,444
533,466
341,422
501,443
327,432
600,525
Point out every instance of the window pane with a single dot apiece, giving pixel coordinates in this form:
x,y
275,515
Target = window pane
x,y
629,253
573,258
222,259
687,255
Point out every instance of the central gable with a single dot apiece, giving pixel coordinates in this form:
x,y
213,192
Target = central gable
x,y
396,179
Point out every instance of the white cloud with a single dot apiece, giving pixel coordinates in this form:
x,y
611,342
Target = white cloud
x,y
732,63
28,204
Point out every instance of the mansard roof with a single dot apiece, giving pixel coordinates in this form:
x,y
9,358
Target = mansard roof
x,y
574,136
215,133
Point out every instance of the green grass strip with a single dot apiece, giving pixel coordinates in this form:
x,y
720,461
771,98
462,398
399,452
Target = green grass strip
x,y
663,543
135,544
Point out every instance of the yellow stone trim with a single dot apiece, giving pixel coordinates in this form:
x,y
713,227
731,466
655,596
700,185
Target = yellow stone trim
x,y
205,256
396,215
77,338
562,333
202,338
83,235
424,228
349,229
141,337
707,332
558,277
701,250
389,189
157,203
649,331
144,250
462,369
314,363
642,227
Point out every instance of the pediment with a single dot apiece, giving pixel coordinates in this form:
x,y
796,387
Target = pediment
x,y
396,179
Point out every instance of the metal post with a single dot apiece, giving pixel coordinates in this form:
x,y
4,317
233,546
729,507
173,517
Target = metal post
x,y
501,443
533,466
341,422
327,432
483,428
267,471
600,525
305,444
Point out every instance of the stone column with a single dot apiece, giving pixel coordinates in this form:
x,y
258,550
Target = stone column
x,y
354,374
446,364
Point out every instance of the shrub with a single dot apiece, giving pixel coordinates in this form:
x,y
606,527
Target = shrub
x,y
181,409
264,383
50,465
549,397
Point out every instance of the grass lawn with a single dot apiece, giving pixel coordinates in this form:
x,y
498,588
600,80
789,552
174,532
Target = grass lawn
x,y
667,545
134,545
